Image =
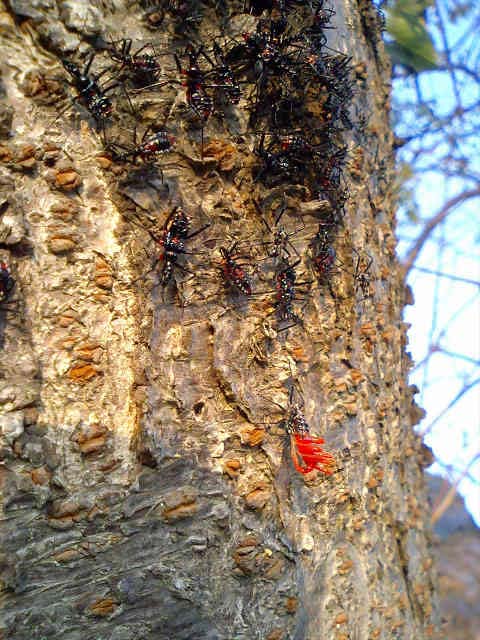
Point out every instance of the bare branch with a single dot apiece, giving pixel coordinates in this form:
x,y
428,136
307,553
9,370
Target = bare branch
x,y
461,393
433,222
447,275
440,509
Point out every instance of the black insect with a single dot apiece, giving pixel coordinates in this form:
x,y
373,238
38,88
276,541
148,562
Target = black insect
x,y
195,84
267,46
142,68
233,272
7,283
332,72
323,253
172,240
224,76
276,162
297,146
331,171
287,289
148,149
280,243
183,11
90,93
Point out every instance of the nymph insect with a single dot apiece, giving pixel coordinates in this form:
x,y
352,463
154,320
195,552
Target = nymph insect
x,y
224,76
141,67
7,283
281,246
360,274
90,93
306,451
233,272
323,253
285,284
148,149
172,240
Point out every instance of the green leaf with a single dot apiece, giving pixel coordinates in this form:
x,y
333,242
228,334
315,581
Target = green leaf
x,y
412,45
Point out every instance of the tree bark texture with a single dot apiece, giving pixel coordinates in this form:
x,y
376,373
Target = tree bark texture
x,y
148,491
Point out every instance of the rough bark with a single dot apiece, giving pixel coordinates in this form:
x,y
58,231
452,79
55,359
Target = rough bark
x,y
144,495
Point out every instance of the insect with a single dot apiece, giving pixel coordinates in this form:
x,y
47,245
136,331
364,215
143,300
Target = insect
x,y
286,294
148,149
360,274
323,257
198,100
280,243
224,75
277,163
331,170
90,94
233,272
306,451
181,10
172,240
142,67
7,283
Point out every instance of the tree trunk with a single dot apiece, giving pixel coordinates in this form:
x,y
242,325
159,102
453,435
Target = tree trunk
x,y
148,490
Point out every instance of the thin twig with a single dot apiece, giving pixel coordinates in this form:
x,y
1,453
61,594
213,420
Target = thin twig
x,y
440,509
461,393
433,222
447,275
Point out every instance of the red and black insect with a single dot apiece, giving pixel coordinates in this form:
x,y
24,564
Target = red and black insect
x,y
152,145
331,170
142,68
296,146
172,241
195,84
276,162
306,451
233,272
7,283
90,93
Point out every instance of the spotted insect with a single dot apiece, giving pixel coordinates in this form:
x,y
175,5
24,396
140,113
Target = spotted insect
x,y
233,272
141,65
287,290
323,253
90,93
152,145
306,451
172,240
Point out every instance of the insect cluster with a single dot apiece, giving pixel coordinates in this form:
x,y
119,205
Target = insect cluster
x,y
297,93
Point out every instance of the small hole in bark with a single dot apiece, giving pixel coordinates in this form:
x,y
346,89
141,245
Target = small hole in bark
x,y
197,408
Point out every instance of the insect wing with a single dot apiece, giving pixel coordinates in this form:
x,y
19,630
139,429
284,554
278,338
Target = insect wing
x,y
308,454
